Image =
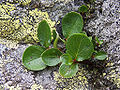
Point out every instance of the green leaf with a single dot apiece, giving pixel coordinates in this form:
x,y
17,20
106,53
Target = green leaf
x,y
44,33
32,58
79,46
72,23
83,9
90,38
101,55
51,57
66,59
68,71
98,41
84,33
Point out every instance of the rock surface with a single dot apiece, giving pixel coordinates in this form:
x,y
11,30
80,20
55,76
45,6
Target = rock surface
x,y
18,24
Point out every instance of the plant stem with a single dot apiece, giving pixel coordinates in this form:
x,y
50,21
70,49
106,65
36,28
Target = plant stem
x,y
62,39
56,40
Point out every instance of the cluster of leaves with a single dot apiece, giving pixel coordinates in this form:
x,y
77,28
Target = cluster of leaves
x,y
79,47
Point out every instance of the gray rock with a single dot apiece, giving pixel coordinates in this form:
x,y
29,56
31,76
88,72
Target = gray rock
x,y
105,25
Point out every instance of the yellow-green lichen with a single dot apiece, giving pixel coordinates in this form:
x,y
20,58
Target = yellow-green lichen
x,y
21,26
114,77
36,87
7,87
9,43
33,87
4,61
23,2
78,82
109,64
65,1
5,9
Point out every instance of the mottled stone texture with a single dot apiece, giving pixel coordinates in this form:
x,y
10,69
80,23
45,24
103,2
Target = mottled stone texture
x,y
18,25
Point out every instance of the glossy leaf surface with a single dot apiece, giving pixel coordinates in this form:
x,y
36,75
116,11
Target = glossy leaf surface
x,y
72,23
66,59
51,57
44,33
32,58
79,46
101,55
68,71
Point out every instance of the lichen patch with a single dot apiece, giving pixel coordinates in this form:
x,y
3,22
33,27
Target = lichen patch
x,y
21,24
77,82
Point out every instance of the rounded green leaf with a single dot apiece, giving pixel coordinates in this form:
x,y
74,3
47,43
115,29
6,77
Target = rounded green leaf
x,y
72,23
83,9
68,71
51,57
32,58
79,46
101,55
66,59
44,33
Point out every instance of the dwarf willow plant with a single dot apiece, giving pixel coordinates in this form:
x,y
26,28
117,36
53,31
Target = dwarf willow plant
x,y
79,47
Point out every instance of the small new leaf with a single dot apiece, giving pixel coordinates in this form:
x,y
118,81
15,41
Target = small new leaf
x,y
51,57
72,23
32,58
98,41
101,42
44,33
66,59
83,9
79,46
68,71
101,55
